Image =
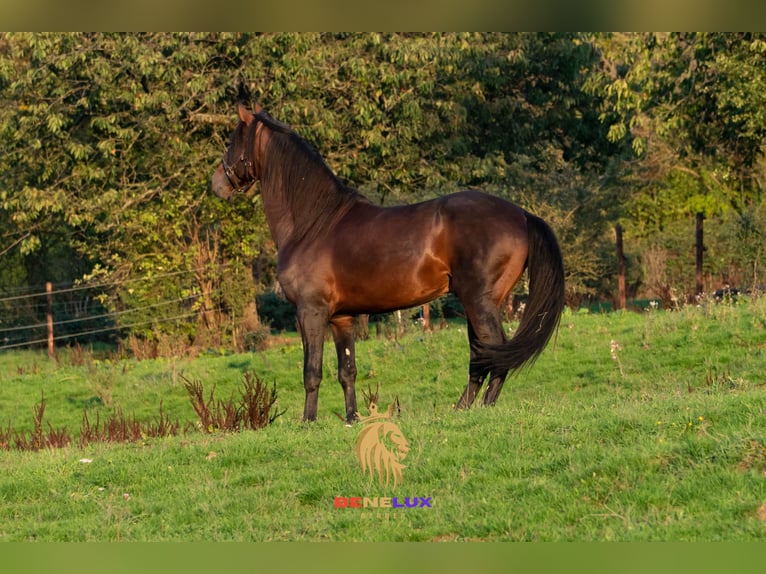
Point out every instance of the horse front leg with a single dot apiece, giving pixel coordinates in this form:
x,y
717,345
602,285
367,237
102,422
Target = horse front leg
x,y
343,333
312,323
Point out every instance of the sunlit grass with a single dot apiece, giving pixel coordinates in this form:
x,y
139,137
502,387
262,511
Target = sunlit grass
x,y
667,441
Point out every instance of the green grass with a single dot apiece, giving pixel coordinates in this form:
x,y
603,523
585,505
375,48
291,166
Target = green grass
x,y
667,441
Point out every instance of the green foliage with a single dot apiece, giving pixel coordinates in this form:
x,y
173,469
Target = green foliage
x,y
107,156
276,311
736,252
691,106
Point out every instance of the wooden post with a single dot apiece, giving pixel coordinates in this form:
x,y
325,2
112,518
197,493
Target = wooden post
x,y
622,299
49,291
426,317
362,327
700,251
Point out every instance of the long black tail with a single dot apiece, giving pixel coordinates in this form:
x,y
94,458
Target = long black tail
x,y
544,304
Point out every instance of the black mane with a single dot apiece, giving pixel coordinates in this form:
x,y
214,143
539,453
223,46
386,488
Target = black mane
x,y
314,194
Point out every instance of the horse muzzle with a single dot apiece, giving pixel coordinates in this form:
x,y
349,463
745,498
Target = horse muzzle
x,y
221,185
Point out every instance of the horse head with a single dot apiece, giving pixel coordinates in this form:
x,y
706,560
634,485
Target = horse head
x,y
237,172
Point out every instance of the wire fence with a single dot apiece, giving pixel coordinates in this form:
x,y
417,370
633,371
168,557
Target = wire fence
x,y
66,288
34,342
85,315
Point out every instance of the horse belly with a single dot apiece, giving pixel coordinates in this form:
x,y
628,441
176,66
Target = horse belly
x,y
392,283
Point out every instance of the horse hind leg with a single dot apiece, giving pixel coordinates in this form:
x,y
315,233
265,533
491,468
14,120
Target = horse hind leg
x,y
485,327
496,382
496,375
476,373
343,334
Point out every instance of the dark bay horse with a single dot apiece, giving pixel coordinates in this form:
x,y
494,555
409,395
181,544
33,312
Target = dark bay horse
x,y
340,255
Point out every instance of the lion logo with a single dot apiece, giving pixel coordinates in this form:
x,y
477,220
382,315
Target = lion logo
x,y
373,450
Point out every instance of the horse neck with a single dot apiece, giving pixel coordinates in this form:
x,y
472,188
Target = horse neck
x,y
278,214
301,197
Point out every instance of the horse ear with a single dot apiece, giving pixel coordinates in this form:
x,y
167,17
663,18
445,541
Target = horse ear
x,y
258,109
244,114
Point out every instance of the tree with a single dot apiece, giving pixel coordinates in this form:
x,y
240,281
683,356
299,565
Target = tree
x,y
110,139
107,154
691,106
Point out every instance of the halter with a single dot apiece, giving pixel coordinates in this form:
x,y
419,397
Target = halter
x,y
238,185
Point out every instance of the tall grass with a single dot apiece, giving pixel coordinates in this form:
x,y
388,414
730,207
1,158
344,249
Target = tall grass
x,y
630,426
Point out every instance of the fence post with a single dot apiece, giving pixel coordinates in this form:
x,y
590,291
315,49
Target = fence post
x,y
426,317
622,301
49,292
700,251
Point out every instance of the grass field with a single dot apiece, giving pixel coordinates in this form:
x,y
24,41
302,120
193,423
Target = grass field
x,y
647,426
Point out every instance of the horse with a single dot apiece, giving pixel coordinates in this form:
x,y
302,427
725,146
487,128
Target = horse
x,y
340,255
